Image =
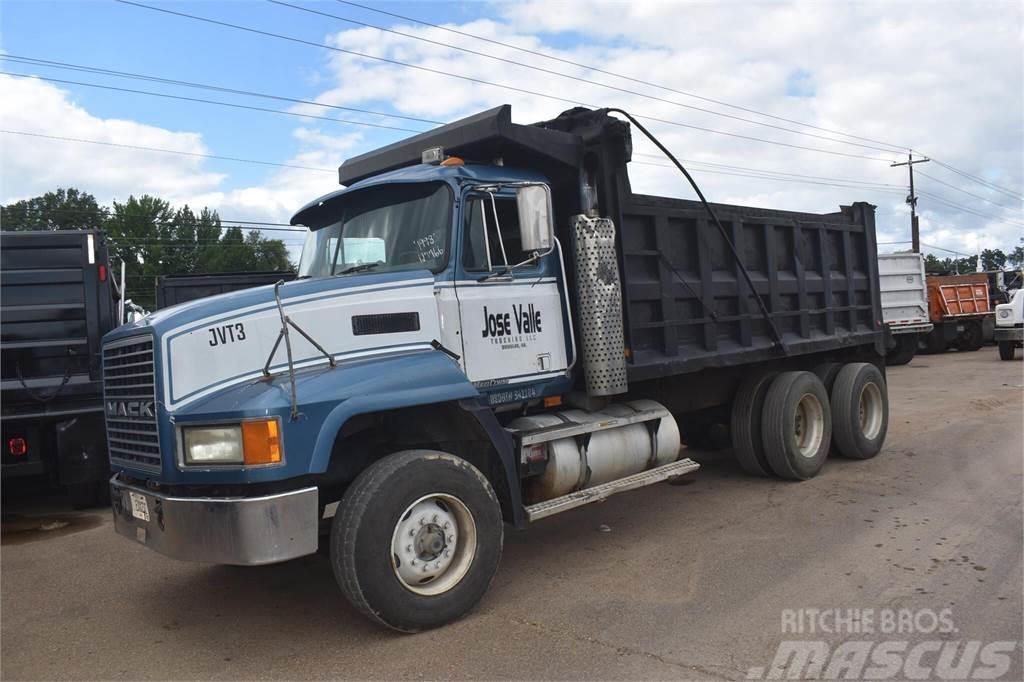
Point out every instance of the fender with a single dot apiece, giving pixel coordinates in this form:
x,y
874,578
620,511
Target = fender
x,y
419,378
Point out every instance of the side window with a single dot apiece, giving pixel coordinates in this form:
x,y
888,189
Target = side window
x,y
476,244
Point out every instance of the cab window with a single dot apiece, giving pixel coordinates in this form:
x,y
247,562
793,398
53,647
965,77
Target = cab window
x,y
475,244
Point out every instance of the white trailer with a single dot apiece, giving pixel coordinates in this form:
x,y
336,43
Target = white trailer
x,y
904,303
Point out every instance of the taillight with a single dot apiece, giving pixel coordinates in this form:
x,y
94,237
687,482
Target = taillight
x,y
103,273
17,447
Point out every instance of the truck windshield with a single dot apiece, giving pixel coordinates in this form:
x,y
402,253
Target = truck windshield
x,y
384,228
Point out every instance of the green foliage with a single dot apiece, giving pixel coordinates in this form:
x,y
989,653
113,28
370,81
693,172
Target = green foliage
x,y
67,209
1016,257
991,259
151,237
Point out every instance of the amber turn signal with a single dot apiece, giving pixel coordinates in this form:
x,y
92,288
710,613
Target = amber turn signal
x,y
261,442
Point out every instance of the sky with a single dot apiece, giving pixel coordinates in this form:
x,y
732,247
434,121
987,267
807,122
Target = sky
x,y
740,89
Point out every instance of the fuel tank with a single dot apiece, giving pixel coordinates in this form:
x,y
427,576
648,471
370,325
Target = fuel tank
x,y
602,456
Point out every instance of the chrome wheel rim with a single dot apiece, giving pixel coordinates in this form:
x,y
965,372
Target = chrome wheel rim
x,y
433,544
870,409
809,425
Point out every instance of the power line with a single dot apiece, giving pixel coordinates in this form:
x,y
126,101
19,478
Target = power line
x,y
971,194
778,179
575,78
981,181
951,204
205,86
212,101
166,151
617,75
273,227
765,171
481,81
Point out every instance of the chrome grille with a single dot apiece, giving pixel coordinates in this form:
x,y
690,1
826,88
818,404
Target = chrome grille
x,y
129,400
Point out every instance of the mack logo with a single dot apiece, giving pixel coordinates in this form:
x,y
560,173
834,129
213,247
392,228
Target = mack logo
x,y
526,318
130,408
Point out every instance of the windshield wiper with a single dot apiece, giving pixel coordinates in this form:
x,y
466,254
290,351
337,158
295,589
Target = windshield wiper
x,y
360,267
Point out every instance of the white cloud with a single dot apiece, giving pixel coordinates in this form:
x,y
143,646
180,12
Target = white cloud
x,y
942,77
31,165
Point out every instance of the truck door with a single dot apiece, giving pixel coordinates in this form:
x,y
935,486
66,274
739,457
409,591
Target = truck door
x,y
512,323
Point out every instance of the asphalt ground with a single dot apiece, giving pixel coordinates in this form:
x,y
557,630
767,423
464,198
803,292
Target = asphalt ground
x,y
670,582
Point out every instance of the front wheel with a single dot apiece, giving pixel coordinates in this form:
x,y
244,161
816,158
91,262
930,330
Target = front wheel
x,y
417,540
1007,349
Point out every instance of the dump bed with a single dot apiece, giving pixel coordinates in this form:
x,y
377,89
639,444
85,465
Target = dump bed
x,y
175,289
958,296
904,294
56,305
688,306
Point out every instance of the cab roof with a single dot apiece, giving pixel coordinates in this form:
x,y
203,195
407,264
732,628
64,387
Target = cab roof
x,y
320,211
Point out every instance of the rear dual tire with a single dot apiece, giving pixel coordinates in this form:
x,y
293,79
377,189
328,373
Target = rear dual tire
x,y
906,348
860,411
797,425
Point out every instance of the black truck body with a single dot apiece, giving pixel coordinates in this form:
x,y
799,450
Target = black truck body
x,y
175,289
57,303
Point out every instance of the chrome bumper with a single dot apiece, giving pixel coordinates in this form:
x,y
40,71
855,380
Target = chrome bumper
x,y
1009,334
245,531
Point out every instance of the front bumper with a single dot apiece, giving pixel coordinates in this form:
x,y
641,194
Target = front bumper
x,y
1009,334
245,531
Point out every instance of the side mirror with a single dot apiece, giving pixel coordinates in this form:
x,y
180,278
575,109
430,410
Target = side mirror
x,y
535,227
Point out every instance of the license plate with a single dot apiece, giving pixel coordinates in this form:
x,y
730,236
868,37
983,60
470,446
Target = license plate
x,y
140,509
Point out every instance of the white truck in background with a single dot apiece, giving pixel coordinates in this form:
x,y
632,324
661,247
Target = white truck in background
x,y
1009,333
904,303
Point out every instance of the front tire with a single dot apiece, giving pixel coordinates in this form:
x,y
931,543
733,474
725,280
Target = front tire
x,y
797,425
1007,349
860,411
417,540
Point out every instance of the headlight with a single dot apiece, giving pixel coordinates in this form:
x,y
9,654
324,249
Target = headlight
x,y
1004,314
251,442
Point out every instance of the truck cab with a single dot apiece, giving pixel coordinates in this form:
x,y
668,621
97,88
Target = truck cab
x,y
471,343
1009,332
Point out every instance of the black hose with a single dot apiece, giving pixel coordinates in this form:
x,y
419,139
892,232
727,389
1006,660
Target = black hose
x,y
714,219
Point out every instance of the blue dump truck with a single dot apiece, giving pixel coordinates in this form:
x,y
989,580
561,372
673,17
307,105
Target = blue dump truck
x,y
488,327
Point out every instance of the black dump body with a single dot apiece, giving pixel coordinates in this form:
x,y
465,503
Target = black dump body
x,y
57,303
687,303
175,289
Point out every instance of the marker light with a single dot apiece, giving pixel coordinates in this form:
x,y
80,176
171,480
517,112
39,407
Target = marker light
x,y
17,447
453,161
432,155
260,442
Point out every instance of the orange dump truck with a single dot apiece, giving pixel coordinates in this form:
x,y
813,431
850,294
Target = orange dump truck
x,y
959,309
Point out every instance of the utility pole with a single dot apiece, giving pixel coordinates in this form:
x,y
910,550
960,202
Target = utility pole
x,y
915,233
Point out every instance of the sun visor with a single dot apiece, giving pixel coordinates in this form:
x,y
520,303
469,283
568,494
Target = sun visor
x,y
484,138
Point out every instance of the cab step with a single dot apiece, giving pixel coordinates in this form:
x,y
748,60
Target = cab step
x,y
605,490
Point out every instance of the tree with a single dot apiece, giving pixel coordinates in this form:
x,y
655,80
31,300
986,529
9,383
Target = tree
x,y
64,209
1016,256
152,238
993,259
